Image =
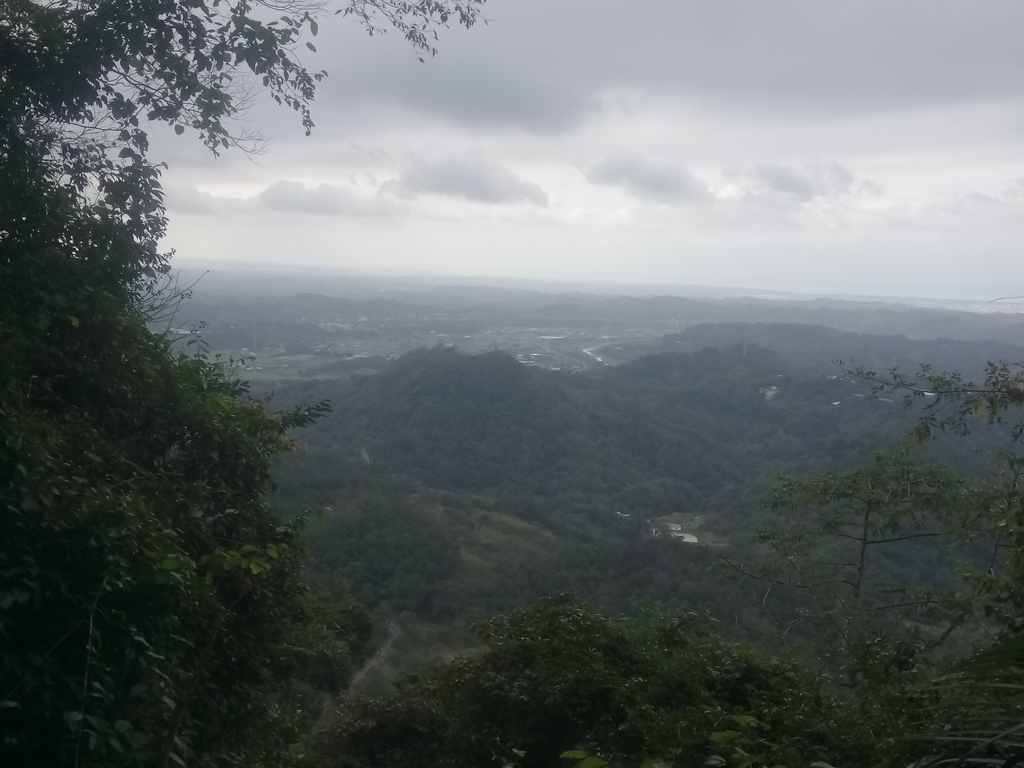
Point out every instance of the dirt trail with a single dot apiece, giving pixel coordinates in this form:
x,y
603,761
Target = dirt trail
x,y
378,658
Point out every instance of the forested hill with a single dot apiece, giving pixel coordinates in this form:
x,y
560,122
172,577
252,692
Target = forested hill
x,y
459,484
687,425
818,346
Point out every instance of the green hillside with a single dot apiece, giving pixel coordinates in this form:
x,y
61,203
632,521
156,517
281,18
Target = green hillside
x,y
486,424
458,485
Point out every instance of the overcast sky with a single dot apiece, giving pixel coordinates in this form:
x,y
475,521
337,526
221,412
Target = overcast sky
x,y
848,146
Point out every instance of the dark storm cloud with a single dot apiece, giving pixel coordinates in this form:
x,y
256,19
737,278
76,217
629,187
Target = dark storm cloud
x,y
489,95
649,180
468,177
482,78
543,67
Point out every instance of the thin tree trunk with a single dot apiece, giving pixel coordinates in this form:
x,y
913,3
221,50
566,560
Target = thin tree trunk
x,y
182,706
863,551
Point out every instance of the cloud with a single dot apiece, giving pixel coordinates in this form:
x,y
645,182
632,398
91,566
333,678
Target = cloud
x,y
982,207
543,67
649,180
467,177
295,197
815,181
186,198
284,197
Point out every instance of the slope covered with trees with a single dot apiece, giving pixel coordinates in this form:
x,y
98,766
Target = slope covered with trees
x,y
818,346
459,485
481,423
862,659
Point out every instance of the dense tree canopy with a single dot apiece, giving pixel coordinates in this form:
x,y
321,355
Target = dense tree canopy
x,y
559,679
877,580
152,607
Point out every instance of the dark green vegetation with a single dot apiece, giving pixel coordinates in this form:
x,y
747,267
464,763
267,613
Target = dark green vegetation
x,y
870,586
464,484
559,678
152,607
151,603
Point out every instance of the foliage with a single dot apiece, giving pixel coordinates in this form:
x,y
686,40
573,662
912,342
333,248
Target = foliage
x,y
467,485
864,585
884,636
836,527
391,549
148,592
976,717
152,607
873,630
560,679
666,431
863,569
953,402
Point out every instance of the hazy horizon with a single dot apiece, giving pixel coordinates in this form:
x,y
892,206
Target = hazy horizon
x,y
222,276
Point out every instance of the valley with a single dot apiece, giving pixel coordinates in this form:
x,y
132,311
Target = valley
x,y
476,460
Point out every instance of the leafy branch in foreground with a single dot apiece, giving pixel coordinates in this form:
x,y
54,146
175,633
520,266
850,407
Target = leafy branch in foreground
x,y
975,716
951,713
152,607
952,402
559,683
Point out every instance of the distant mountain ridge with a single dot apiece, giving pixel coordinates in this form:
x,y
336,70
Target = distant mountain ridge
x,y
310,319
816,345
